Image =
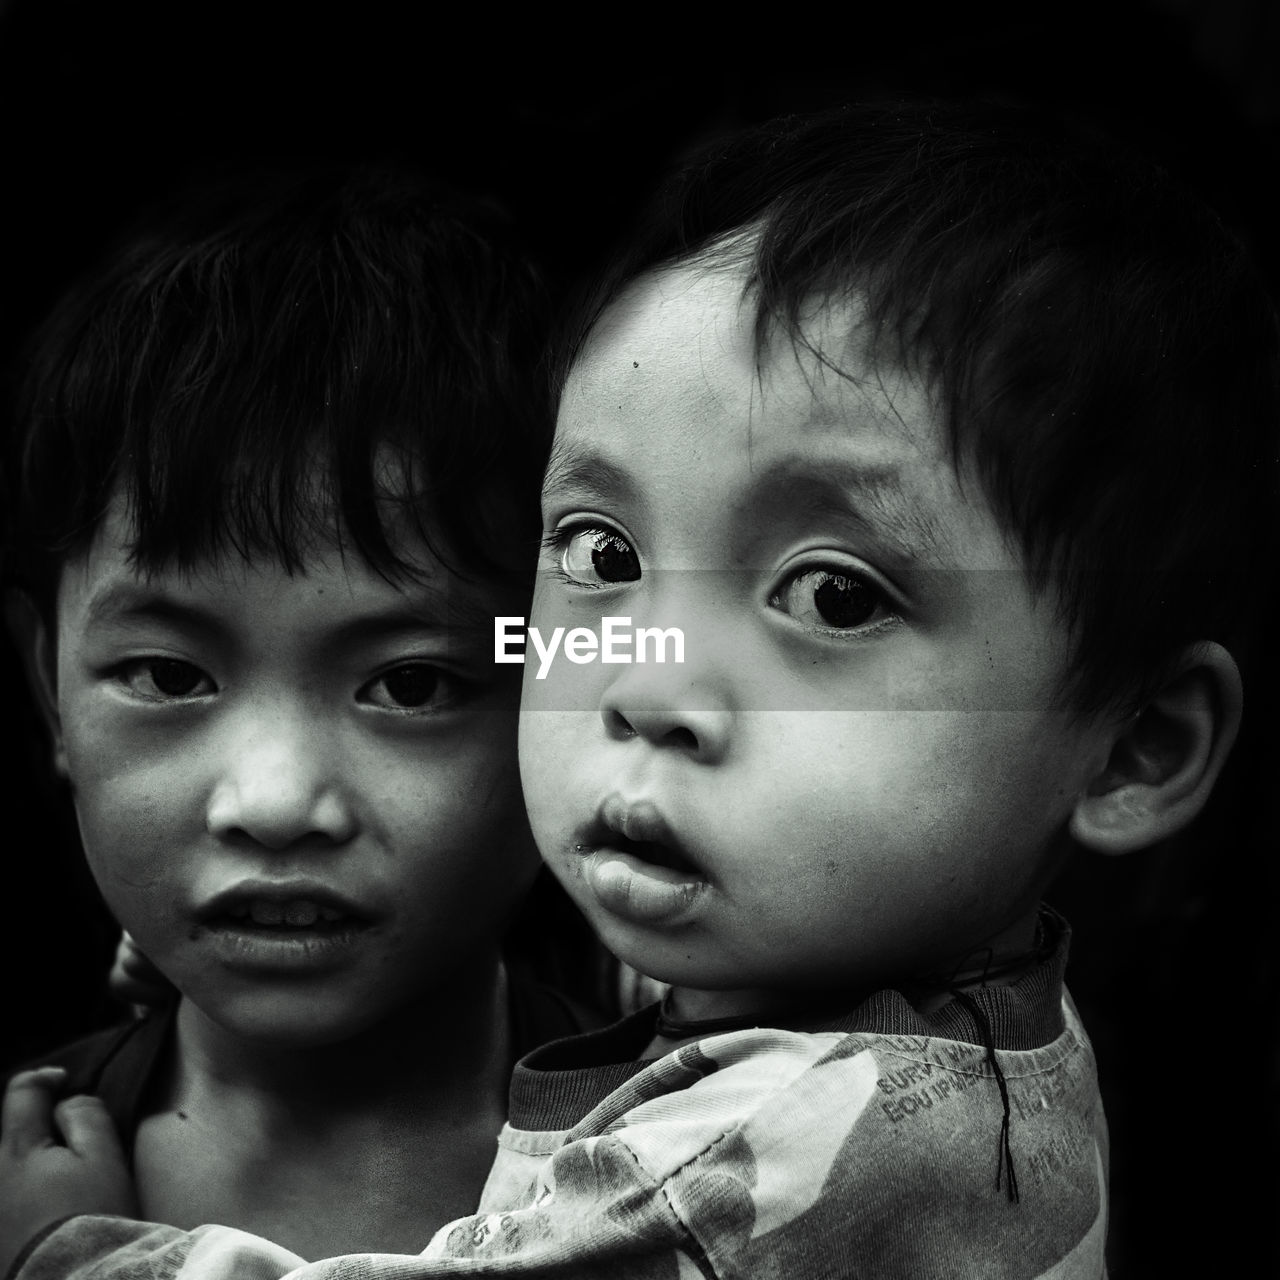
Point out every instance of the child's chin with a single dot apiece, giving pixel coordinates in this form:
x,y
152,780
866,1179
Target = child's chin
x,y
299,1021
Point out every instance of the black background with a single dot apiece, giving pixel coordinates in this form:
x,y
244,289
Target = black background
x,y
105,107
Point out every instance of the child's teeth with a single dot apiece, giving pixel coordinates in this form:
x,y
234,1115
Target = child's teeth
x,y
301,913
297,914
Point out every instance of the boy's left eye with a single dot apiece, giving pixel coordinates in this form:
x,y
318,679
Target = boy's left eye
x,y
410,687
594,556
831,600
165,679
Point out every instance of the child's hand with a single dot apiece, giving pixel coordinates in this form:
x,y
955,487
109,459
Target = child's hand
x,y
135,980
55,1160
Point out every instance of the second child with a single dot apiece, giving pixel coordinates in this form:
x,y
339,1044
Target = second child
x,y
276,471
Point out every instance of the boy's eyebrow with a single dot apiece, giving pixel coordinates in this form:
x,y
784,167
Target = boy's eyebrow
x,y
130,601
868,494
425,609
571,466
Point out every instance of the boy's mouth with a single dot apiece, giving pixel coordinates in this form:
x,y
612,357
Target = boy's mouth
x,y
282,909
635,828
635,868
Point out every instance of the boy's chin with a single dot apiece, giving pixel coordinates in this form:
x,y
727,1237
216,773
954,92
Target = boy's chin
x,y
284,1022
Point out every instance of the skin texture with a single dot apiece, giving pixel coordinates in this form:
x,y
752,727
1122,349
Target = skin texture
x,y
326,739
877,799
270,750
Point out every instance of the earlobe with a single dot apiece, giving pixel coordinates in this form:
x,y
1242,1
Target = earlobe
x,y
1165,760
33,639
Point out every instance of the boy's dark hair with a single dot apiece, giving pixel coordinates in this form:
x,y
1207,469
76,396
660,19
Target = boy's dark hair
x,y
329,352
1102,351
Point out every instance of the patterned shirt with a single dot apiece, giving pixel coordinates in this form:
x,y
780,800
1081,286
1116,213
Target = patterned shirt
x,y
882,1143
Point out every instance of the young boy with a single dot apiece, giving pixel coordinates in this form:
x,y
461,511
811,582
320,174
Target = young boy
x,y
274,475
897,415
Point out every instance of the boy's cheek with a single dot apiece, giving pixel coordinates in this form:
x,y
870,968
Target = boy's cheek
x,y
132,863
550,760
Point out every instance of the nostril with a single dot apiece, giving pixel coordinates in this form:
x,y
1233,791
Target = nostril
x,y
618,726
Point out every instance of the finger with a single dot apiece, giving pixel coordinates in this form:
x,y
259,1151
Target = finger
x,y
25,1115
87,1128
129,959
134,979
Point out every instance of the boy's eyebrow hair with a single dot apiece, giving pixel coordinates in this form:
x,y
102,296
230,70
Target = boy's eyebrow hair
x,y
575,466
798,481
825,486
426,609
126,601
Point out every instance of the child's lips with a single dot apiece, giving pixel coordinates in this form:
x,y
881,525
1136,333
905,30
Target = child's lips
x,y
284,906
284,929
635,866
637,828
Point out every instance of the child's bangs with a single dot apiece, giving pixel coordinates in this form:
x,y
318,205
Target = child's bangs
x,y
279,478
347,361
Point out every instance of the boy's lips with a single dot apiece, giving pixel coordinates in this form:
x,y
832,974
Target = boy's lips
x,y
292,905
636,866
283,929
636,827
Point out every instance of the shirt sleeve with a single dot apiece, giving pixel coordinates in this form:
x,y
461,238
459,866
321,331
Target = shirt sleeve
x,y
814,1156
116,1248
599,1216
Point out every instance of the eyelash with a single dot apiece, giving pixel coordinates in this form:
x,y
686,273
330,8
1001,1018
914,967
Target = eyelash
x,y
454,686
848,584
127,672
130,672
559,542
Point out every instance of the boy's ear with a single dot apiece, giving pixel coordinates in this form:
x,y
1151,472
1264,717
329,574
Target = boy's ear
x,y
1165,760
33,639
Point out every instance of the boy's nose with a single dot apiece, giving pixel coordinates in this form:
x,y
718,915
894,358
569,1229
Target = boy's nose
x,y
668,710
277,790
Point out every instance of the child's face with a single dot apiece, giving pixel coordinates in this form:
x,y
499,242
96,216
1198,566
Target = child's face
x,y
298,793
861,771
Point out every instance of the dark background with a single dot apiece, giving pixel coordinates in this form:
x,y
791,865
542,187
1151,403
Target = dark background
x,y
105,108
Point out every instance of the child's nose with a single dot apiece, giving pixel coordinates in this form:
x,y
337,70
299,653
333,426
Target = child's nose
x,y
668,710
277,787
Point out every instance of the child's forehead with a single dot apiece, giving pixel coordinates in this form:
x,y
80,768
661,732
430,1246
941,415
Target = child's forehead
x,y
107,580
684,343
692,329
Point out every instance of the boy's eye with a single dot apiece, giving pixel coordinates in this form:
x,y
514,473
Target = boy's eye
x,y
160,678
593,556
407,688
831,600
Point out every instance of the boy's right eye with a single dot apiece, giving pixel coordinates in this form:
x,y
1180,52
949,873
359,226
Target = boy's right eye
x,y
410,687
594,556
159,679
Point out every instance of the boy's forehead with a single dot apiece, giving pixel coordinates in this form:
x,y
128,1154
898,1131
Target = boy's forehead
x,y
677,317
692,329
105,580
680,346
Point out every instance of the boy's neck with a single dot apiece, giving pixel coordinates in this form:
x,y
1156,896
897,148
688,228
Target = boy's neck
x,y
272,1140
690,1013
446,1042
